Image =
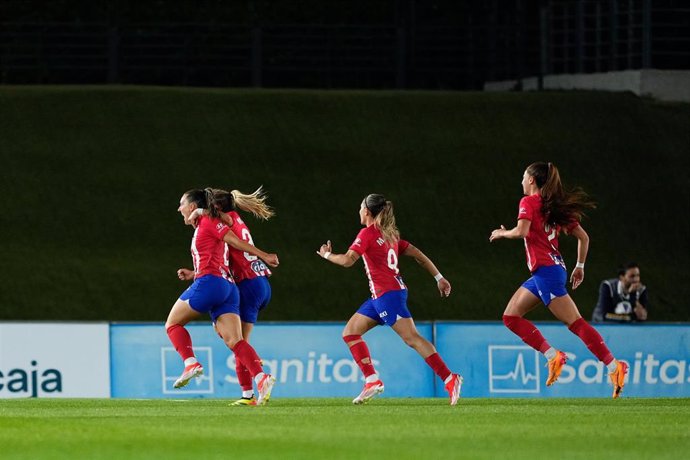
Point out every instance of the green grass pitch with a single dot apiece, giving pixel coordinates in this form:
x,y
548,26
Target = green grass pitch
x,y
333,428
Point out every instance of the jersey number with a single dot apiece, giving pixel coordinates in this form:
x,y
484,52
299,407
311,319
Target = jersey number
x,y
393,261
246,236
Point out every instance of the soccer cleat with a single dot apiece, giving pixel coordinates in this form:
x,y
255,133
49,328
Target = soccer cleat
x,y
245,402
453,387
265,386
370,390
618,378
555,367
191,371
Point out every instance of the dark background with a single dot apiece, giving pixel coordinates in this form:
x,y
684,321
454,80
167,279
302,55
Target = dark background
x,y
435,44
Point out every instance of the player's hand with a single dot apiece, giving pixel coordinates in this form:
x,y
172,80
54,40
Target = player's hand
x,y
325,248
185,274
193,218
272,260
633,287
640,312
497,234
577,277
443,287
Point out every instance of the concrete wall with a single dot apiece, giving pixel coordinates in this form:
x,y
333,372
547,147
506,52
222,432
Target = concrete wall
x,y
664,85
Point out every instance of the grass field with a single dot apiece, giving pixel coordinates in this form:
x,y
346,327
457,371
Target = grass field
x,y
334,429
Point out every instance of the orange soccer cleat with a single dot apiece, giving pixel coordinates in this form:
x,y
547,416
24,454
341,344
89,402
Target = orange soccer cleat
x,y
555,367
618,378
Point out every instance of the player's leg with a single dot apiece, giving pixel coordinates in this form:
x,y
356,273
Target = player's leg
x,y
230,328
254,295
364,320
566,311
180,314
524,300
407,331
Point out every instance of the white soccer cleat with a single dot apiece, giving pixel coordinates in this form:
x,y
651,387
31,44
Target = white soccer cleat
x,y
191,371
454,387
370,390
265,386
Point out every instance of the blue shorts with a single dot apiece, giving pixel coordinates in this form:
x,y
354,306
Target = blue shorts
x,y
255,294
547,283
213,295
388,308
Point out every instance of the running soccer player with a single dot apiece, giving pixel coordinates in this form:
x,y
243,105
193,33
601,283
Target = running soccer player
x,y
379,244
212,293
249,271
547,209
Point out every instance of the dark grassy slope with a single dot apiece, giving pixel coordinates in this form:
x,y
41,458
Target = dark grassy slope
x,y
92,179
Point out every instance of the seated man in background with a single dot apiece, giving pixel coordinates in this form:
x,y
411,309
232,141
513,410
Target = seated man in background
x,y
624,299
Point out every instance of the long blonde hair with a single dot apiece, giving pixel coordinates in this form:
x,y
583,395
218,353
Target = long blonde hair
x,y
384,219
253,202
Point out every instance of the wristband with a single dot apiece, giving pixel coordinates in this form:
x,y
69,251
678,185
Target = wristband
x,y
326,255
580,265
438,277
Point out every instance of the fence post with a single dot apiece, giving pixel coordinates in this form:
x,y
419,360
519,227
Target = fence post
x,y
544,45
613,57
646,34
256,57
580,46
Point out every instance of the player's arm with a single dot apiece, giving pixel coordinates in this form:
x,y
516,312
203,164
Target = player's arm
x,y
193,218
344,260
519,231
578,274
421,258
185,274
231,239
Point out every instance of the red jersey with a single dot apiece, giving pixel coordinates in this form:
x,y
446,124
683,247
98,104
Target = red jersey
x,y
208,247
541,243
243,265
380,260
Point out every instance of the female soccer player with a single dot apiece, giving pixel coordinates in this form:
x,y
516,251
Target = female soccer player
x,y
211,292
249,271
547,209
379,245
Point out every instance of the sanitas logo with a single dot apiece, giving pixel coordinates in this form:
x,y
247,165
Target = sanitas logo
x,y
309,370
31,380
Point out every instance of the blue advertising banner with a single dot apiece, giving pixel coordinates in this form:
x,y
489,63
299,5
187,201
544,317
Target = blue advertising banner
x,y
308,360
496,363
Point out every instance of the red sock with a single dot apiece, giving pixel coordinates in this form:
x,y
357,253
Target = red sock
x,y
243,376
181,341
436,363
527,331
247,356
592,339
360,352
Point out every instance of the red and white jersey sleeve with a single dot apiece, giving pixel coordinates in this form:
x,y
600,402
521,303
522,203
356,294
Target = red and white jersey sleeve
x,y
208,247
380,261
243,265
541,243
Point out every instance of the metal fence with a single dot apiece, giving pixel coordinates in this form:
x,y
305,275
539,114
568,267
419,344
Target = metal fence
x,y
556,36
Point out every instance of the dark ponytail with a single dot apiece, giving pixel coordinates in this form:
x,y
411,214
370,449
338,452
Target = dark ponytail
x,y
559,206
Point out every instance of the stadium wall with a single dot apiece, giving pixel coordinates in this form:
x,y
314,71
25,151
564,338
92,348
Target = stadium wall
x,y
309,360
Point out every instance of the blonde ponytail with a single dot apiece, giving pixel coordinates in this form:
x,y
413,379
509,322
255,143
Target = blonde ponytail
x,y
385,222
254,203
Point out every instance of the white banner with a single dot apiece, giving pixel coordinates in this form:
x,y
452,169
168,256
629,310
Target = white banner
x,y
54,360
